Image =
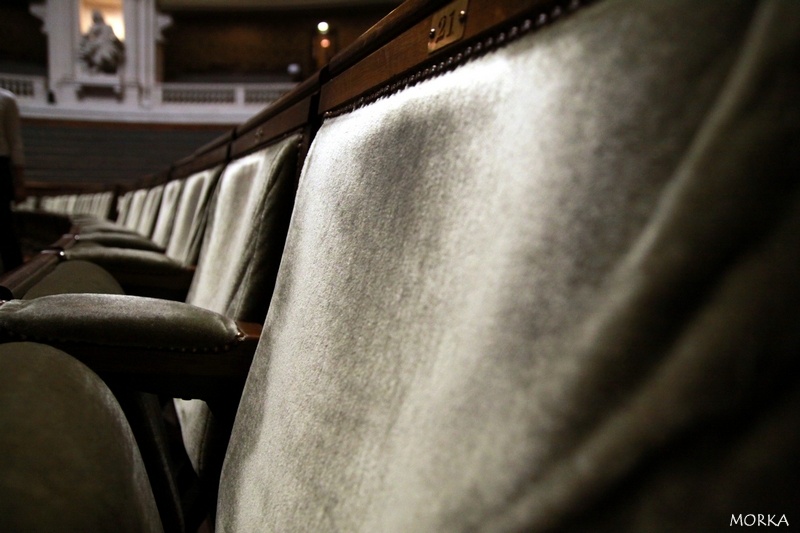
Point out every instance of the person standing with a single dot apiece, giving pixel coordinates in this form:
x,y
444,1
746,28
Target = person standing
x,y
12,167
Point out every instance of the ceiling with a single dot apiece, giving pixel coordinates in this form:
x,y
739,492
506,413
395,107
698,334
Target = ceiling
x,y
233,5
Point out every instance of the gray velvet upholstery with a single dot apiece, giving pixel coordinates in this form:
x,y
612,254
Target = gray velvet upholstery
x,y
239,261
136,209
116,320
131,264
246,232
554,289
140,238
123,206
119,260
150,209
189,225
113,239
69,460
166,213
75,277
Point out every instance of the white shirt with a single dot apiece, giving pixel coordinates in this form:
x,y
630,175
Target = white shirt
x,y
10,135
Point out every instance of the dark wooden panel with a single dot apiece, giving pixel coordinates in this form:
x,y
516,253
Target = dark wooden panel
x,y
381,33
257,45
290,119
307,88
195,163
223,139
409,50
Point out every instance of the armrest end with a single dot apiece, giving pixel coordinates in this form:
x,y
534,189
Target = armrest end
x,y
147,344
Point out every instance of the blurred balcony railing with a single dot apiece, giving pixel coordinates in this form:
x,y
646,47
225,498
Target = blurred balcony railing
x,y
165,102
28,88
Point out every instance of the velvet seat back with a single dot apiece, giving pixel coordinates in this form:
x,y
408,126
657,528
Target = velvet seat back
x,y
242,231
150,209
166,212
525,294
136,209
242,249
184,241
104,205
123,206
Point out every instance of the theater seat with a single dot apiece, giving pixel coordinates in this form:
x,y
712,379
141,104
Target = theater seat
x,y
71,462
249,216
148,272
553,288
136,236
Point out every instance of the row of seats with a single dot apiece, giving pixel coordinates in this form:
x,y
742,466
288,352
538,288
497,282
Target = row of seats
x,y
499,266
96,204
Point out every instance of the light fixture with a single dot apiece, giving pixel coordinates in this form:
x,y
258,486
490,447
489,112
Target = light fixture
x,y
323,27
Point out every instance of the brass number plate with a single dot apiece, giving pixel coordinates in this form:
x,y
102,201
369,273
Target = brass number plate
x,y
447,25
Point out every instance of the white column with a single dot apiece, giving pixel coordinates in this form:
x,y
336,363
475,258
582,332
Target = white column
x,y
60,18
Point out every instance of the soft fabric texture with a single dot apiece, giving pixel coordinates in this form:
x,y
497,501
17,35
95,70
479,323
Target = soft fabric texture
x,y
189,225
136,209
166,213
140,239
238,263
152,203
136,267
116,320
244,238
113,239
554,289
75,277
123,206
69,459
121,260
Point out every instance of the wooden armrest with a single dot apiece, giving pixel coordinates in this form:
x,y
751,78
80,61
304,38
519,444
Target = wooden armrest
x,y
65,242
143,343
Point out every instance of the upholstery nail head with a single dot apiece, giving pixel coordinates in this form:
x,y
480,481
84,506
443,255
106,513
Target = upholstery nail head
x,y
432,33
462,15
526,26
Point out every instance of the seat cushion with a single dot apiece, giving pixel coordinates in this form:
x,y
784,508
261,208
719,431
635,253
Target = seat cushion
x,y
112,239
551,290
75,277
70,461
